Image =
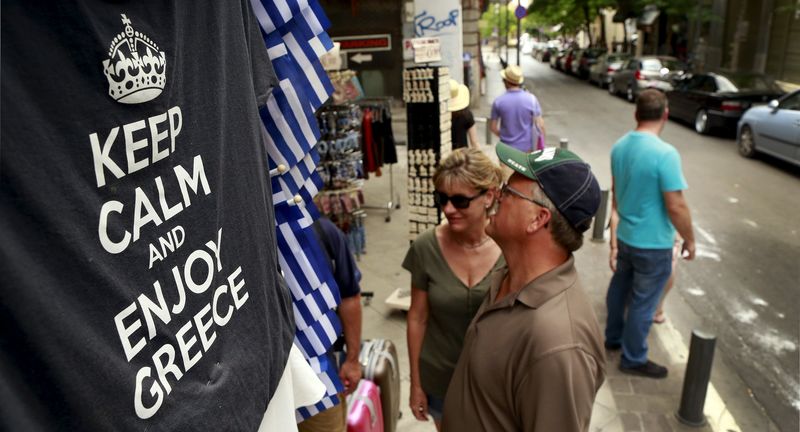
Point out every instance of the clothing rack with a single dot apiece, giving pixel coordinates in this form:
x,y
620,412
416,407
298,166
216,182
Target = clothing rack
x,y
384,104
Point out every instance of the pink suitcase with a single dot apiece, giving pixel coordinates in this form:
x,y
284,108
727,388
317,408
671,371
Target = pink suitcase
x,y
364,413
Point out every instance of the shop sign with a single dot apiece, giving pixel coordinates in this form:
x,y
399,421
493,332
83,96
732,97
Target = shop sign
x,y
427,49
365,43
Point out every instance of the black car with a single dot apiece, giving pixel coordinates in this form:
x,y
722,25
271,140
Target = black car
x,y
717,101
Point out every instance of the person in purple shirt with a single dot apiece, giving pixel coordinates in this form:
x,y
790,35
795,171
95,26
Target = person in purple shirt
x,y
516,114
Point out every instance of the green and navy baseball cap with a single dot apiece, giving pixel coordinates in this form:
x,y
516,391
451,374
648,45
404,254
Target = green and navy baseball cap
x,y
563,176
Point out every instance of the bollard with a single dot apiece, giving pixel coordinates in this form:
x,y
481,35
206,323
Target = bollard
x,y
695,382
563,143
598,233
488,132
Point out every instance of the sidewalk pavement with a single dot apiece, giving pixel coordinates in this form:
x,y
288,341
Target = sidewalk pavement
x,y
624,402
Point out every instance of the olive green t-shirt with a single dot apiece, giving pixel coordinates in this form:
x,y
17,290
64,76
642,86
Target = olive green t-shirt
x,y
452,305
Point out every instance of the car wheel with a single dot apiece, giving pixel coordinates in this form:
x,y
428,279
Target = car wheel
x,y
630,95
747,143
701,122
612,89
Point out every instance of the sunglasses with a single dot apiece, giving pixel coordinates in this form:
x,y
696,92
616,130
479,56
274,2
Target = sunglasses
x,y
505,189
459,201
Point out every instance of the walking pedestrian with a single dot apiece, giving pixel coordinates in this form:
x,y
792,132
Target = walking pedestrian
x,y
450,267
517,114
533,356
647,184
463,131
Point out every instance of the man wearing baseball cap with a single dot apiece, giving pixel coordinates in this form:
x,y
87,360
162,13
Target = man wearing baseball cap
x,y
517,114
533,356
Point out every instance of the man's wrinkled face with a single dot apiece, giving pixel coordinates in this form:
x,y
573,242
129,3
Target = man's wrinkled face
x,y
513,209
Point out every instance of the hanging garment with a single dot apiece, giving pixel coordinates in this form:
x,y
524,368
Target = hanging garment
x,y
368,149
387,136
137,239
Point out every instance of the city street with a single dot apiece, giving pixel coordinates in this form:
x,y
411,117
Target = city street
x,y
743,286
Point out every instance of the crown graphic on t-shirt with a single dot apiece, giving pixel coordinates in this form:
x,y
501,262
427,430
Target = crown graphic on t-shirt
x,y
136,68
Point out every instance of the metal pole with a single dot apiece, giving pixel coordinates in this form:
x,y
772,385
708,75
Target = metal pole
x,y
598,234
563,143
519,29
695,383
505,29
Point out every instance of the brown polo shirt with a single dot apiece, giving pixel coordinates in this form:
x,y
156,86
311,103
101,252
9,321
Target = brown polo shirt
x,y
531,362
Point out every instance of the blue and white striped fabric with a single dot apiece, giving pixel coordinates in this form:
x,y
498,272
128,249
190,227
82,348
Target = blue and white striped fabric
x,y
294,33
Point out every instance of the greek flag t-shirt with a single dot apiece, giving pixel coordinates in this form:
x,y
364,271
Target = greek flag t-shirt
x,y
140,285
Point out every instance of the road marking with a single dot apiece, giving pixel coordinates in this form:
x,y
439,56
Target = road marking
x,y
715,410
706,235
697,292
701,251
751,223
759,302
743,314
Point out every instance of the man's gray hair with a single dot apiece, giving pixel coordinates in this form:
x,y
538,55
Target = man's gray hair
x,y
563,233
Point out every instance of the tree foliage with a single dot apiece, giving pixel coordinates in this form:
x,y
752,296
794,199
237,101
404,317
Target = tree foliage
x,y
504,21
575,15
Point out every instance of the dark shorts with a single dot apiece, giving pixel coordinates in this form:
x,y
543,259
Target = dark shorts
x,y
435,407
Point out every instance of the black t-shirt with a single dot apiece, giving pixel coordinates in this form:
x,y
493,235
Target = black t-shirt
x,y
462,120
140,287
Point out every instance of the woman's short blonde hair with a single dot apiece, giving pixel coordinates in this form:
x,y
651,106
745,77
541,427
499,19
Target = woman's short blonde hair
x,y
470,167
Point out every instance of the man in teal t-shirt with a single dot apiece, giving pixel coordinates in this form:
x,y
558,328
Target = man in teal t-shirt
x,y
648,204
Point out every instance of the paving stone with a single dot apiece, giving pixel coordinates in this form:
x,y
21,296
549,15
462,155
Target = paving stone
x,y
647,386
631,422
643,403
655,423
620,385
677,426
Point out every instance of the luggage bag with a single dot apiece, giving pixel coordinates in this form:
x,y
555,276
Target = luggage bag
x,y
364,412
379,361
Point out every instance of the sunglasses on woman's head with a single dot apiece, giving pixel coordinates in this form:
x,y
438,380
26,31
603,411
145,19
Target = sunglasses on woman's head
x,y
459,201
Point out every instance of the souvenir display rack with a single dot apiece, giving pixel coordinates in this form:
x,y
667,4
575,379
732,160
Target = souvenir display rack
x,y
341,168
426,91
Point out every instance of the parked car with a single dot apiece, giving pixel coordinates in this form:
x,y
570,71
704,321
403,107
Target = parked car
x,y
575,61
566,66
716,100
641,73
538,48
606,66
584,60
557,59
544,55
773,129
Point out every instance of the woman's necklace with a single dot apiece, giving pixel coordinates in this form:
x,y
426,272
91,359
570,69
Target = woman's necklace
x,y
474,245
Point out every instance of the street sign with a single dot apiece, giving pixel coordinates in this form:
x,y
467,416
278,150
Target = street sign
x,y
361,58
365,43
427,49
520,12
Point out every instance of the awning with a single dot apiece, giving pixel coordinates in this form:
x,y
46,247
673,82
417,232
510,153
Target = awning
x,y
648,16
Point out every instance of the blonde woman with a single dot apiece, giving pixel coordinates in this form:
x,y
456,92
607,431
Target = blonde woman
x,y
449,268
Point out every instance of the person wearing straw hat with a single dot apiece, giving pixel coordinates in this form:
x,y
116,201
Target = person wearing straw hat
x,y
517,114
463,123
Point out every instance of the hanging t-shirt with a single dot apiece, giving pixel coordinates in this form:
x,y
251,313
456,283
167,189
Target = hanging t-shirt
x,y
462,121
140,285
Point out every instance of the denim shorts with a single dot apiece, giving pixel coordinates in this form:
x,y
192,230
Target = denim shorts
x,y
435,407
